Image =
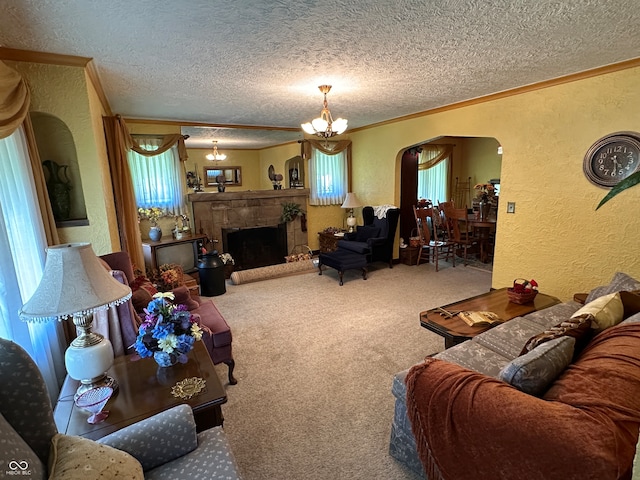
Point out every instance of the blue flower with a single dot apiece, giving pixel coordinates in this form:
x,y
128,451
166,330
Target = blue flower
x,y
163,359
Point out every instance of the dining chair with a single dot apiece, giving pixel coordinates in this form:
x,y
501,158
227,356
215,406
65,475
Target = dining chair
x,y
430,246
462,233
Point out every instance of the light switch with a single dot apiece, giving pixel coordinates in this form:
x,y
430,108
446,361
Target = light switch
x,y
511,207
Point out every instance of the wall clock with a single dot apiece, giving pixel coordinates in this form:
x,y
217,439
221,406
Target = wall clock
x,y
612,158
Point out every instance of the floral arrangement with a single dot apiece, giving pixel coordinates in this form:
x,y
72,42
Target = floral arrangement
x,y
227,259
167,277
168,331
485,191
152,214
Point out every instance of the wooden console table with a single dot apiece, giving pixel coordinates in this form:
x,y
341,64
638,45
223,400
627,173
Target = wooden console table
x,y
142,393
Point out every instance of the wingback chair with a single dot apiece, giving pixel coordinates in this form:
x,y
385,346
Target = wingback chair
x,y
375,238
164,446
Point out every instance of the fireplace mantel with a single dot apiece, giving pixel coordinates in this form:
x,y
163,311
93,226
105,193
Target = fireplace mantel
x,y
247,209
249,195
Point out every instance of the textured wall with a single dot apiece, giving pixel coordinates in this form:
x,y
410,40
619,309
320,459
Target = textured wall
x,y
62,91
555,236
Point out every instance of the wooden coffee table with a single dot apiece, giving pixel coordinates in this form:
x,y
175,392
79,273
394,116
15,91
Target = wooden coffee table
x,y
454,330
143,393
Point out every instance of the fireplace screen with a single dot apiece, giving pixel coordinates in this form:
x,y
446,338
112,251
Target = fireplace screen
x,y
256,246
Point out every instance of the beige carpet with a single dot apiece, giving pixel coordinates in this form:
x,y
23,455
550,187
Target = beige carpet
x,y
315,362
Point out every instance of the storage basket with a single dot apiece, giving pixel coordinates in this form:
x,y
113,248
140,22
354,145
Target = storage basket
x,y
299,253
521,297
414,239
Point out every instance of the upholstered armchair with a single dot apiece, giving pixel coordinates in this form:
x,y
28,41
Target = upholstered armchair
x,y
375,238
164,446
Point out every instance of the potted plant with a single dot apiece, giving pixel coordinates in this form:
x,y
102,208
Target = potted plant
x,y
290,211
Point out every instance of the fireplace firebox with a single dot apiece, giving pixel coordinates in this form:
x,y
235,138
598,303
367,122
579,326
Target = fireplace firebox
x,y
254,247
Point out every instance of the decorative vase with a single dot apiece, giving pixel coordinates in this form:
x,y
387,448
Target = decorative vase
x,y
59,190
485,208
155,233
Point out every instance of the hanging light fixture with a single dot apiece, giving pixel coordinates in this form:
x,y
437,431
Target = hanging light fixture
x,y
215,155
324,126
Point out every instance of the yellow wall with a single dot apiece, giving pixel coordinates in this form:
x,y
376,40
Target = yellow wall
x,y
62,91
247,160
555,235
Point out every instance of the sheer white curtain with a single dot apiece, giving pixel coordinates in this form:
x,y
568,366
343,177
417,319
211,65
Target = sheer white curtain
x,y
328,178
22,254
432,181
157,180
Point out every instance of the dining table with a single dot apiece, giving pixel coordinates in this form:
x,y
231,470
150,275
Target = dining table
x,y
483,229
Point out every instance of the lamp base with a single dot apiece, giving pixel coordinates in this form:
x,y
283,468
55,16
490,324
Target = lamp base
x,y
351,223
102,381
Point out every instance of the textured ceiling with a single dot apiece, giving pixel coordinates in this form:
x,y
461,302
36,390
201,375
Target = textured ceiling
x,y
251,62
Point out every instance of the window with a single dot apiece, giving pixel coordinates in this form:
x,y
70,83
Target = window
x,y
328,178
157,180
433,173
22,256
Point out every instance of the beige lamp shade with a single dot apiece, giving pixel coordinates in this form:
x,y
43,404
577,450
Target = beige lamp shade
x,y
73,282
351,201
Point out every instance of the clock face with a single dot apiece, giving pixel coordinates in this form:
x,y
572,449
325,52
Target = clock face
x,y
612,159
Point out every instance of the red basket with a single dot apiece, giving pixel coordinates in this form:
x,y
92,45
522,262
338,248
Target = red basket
x,y
521,297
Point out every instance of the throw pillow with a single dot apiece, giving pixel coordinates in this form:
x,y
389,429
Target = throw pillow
x,y
72,458
578,328
142,295
607,311
533,372
620,281
365,233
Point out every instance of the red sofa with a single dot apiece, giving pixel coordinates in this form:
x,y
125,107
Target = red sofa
x,y
217,334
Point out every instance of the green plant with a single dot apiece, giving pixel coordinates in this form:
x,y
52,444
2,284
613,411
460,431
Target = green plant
x,y
290,211
628,182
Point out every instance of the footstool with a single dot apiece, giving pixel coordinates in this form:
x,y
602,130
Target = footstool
x,y
343,260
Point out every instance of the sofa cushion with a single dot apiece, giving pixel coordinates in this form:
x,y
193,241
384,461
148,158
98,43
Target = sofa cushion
x,y
606,311
507,338
620,281
536,370
16,455
365,233
83,459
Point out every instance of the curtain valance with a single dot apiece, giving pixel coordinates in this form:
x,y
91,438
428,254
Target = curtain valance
x,y
328,148
432,155
14,100
168,141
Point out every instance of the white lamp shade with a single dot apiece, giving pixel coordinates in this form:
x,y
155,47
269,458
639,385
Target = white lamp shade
x,y
339,126
308,128
87,363
351,201
74,281
319,124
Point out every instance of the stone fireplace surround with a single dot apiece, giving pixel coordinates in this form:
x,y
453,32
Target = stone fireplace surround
x,y
249,209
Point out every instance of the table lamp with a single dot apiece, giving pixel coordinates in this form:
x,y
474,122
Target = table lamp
x,y
74,285
351,202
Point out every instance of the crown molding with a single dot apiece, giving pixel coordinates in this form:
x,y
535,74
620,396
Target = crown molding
x,y
574,77
43,57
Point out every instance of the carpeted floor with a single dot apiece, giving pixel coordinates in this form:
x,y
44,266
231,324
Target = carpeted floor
x,y
315,362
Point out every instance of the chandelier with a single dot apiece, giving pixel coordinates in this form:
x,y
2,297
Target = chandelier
x,y
215,155
324,126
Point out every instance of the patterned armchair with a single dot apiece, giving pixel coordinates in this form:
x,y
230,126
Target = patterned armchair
x,y
29,440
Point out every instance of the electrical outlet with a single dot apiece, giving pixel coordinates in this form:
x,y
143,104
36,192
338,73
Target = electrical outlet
x,y
511,207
